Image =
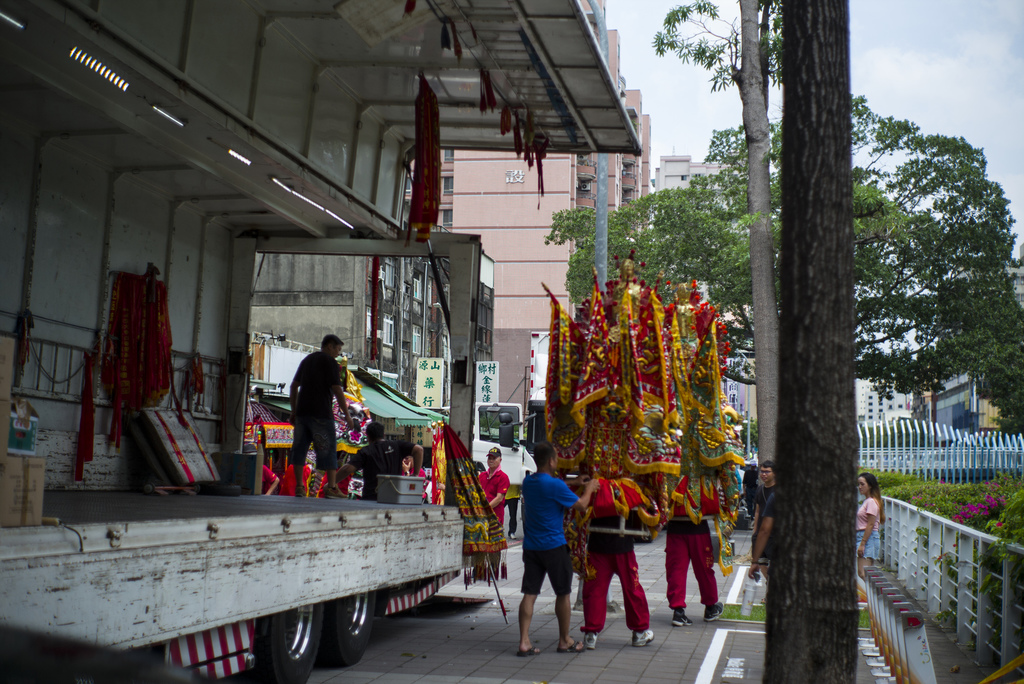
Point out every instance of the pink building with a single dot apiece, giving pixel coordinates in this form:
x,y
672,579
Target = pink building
x,y
496,195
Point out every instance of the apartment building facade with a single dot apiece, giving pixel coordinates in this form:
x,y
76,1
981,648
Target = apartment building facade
x,y
677,171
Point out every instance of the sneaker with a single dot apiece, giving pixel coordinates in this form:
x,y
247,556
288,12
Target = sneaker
x,y
590,640
300,491
642,638
334,493
712,613
679,618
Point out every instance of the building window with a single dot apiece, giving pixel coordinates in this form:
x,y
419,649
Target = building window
x,y
388,270
447,185
683,177
446,218
449,155
417,287
389,330
417,336
369,321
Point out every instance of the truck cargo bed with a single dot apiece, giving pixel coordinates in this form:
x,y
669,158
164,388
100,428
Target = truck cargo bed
x,y
127,569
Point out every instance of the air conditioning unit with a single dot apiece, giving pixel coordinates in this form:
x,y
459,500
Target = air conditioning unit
x,y
584,186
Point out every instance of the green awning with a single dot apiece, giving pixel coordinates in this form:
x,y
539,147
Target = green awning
x,y
386,402
383,402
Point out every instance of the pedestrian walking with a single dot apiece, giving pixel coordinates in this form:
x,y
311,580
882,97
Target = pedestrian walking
x,y
869,516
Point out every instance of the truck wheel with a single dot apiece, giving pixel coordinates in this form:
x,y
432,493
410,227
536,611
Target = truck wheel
x,y
347,624
286,647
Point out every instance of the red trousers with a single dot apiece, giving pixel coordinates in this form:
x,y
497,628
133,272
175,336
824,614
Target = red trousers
x,y
680,551
595,592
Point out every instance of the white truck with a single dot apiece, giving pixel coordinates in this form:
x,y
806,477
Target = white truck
x,y
192,137
499,424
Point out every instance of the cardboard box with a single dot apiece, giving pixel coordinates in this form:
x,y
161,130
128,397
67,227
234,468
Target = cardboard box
x,y
24,429
6,367
244,470
21,490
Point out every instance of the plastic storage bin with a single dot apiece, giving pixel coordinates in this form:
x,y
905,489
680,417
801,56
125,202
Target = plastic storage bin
x,y
399,489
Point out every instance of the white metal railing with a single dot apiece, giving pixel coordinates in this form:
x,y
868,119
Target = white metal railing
x,y
942,565
939,452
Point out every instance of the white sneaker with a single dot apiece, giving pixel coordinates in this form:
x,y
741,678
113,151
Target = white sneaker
x,y
643,638
590,640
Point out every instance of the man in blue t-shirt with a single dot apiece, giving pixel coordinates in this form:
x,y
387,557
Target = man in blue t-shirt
x,y
545,552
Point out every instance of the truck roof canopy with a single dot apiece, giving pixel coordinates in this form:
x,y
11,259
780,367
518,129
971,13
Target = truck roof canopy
x,y
289,118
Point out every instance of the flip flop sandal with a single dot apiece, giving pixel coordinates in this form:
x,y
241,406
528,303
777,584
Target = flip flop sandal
x,y
574,647
530,652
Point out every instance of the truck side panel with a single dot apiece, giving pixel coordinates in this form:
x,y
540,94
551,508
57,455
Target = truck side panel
x,y
161,583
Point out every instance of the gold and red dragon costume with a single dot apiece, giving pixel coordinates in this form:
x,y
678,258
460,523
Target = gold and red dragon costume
x,y
634,399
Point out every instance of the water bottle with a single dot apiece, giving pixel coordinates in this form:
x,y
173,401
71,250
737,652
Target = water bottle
x,y
749,588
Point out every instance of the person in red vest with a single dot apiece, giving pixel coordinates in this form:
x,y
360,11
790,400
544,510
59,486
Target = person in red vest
x,y
495,483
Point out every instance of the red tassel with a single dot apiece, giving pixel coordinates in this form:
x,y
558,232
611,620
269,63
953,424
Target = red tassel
x,y
375,275
504,571
410,5
541,147
487,90
506,119
517,137
455,41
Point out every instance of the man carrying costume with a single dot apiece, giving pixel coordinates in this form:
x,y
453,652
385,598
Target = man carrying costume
x,y
545,501
690,543
316,379
612,554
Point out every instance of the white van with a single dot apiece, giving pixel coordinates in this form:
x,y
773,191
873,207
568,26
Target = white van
x,y
488,433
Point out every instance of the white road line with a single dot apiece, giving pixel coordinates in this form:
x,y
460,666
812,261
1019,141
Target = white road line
x,y
714,653
739,574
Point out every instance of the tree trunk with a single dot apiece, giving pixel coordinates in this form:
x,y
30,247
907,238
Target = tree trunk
x,y
753,94
812,615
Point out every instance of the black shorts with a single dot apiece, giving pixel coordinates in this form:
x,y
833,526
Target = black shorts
x,y
555,563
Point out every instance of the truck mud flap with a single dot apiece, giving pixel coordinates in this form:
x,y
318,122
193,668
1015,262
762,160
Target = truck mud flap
x,y
398,602
215,653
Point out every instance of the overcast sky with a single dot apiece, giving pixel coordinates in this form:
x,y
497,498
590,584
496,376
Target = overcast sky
x,y
952,67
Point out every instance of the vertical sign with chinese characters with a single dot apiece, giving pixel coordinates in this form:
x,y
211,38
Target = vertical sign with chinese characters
x,y
430,382
486,382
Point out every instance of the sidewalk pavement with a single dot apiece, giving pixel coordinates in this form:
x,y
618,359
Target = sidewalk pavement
x,y
455,641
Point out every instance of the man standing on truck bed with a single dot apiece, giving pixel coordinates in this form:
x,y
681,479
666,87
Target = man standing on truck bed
x,y
381,457
316,379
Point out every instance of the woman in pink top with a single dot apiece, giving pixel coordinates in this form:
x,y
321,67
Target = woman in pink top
x,y
869,516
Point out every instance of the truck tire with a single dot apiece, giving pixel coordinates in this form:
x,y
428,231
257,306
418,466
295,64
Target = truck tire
x,y
286,646
346,631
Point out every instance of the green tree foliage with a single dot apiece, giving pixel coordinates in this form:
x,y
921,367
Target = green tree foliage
x,y
932,244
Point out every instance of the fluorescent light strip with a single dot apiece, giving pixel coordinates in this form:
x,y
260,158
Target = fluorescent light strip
x,y
12,21
309,201
239,157
169,117
83,57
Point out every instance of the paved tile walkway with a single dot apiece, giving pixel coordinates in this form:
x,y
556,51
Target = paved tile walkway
x,y
471,643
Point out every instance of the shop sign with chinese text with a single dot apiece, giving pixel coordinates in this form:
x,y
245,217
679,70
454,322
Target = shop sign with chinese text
x,y
430,382
486,382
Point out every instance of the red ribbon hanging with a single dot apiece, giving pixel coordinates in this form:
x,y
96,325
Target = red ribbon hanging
x,y
375,275
426,185
87,422
410,6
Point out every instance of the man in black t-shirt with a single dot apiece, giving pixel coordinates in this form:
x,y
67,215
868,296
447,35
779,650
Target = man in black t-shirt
x,y
612,554
317,378
381,457
766,471
764,547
